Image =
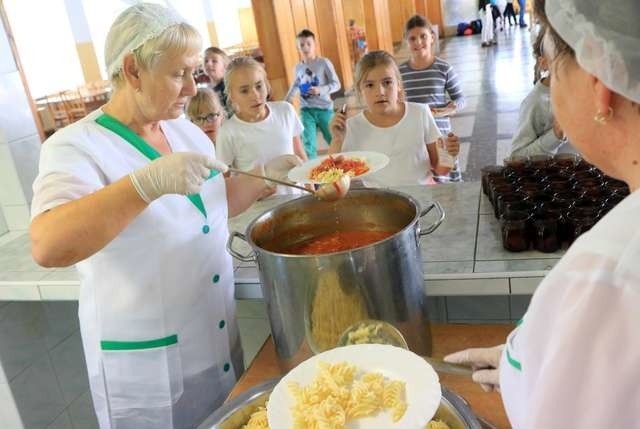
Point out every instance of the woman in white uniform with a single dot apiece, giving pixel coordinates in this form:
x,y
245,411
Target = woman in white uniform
x,y
131,194
574,361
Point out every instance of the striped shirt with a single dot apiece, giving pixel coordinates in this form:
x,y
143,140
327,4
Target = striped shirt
x,y
431,86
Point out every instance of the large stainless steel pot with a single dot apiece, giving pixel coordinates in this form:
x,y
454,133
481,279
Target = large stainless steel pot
x,y
312,299
453,410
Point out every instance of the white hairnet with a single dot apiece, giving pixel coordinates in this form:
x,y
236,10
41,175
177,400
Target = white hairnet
x,y
605,36
132,28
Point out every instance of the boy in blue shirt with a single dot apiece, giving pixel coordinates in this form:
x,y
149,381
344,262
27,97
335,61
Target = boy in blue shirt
x,y
315,81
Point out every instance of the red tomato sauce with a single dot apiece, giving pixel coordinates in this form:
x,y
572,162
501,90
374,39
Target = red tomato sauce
x,y
337,241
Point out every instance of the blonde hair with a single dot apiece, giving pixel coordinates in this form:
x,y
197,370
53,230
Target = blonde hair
x,y
180,38
373,59
205,100
241,63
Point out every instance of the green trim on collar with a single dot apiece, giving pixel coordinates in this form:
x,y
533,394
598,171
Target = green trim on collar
x,y
112,124
514,363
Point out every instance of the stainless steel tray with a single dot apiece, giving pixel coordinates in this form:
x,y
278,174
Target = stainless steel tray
x,y
453,410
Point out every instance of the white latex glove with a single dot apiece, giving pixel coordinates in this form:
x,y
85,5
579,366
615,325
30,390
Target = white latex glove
x,y
279,167
178,173
484,362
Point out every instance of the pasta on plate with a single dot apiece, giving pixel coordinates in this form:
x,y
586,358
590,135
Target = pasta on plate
x,y
332,168
339,393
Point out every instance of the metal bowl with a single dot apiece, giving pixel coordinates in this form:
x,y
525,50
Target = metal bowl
x,y
453,410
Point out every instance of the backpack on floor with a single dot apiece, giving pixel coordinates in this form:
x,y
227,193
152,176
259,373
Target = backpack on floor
x,y
476,26
461,28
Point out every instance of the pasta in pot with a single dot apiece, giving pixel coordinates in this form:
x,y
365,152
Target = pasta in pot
x,y
333,310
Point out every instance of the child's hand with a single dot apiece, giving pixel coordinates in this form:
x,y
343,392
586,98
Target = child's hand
x,y
338,125
452,144
557,130
314,90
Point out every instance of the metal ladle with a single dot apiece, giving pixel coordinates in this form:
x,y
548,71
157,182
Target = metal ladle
x,y
327,192
381,332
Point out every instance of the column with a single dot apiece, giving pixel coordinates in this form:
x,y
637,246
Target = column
x,y
276,34
399,14
333,38
432,9
278,22
211,25
378,25
19,137
84,44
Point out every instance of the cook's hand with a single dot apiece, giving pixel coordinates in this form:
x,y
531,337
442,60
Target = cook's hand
x,y
484,362
452,144
338,125
178,173
279,167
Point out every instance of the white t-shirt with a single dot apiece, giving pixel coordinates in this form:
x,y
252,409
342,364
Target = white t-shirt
x,y
243,144
573,362
404,143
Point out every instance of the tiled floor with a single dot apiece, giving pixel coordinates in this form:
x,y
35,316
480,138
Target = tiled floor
x,y
40,347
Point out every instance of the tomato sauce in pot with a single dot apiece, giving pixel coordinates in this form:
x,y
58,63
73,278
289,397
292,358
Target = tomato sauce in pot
x,y
337,242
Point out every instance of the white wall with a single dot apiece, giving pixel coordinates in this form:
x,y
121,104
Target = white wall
x,y
456,11
19,143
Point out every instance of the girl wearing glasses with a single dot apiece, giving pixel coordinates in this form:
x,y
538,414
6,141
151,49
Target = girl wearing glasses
x,y
205,110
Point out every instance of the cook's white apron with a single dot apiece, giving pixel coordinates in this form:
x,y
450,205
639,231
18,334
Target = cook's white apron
x,y
157,315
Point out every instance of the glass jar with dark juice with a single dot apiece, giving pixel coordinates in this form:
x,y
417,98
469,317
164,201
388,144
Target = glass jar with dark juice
x,y
486,172
517,163
566,160
506,198
546,235
498,189
541,161
515,236
578,224
557,211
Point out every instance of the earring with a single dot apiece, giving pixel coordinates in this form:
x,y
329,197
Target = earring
x,y
601,118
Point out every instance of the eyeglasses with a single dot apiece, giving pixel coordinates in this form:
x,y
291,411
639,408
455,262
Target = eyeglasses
x,y
208,118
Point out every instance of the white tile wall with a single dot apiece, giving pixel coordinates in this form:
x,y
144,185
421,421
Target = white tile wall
x,y
16,120
17,217
3,225
11,193
26,153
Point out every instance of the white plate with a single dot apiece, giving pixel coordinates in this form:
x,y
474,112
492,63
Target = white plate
x,y
423,391
375,161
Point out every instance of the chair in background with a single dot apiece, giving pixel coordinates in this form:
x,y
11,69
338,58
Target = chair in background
x,y
74,104
57,111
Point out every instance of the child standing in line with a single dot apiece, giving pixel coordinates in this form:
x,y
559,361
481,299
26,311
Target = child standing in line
x,y
428,79
509,13
205,110
485,13
316,80
538,132
406,132
260,130
215,64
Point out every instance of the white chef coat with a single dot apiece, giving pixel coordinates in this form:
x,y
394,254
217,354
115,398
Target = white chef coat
x,y
404,143
574,362
156,308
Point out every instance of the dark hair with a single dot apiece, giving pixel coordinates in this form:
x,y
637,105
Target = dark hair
x,y
562,49
306,33
537,44
214,50
417,21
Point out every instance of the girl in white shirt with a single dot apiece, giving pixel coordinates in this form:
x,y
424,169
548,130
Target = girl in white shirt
x,y
406,132
259,130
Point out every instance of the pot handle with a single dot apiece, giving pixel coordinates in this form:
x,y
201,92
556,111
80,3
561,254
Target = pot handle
x,y
429,229
235,253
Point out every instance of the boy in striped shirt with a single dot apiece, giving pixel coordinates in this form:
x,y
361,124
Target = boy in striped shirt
x,y
429,79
